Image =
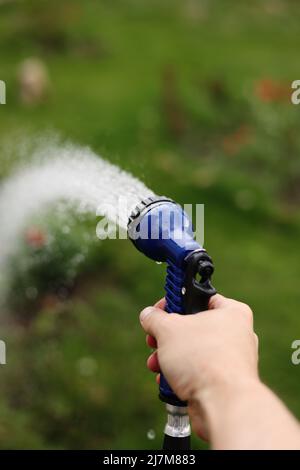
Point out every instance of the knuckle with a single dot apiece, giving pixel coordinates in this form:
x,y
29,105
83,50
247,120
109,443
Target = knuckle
x,y
247,311
243,309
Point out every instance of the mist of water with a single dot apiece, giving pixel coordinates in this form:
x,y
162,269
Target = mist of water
x,y
68,173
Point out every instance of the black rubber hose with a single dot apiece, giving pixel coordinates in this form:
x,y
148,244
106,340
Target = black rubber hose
x,y
176,443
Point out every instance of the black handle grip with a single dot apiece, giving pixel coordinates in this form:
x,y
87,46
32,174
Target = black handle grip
x,y
192,294
197,283
195,294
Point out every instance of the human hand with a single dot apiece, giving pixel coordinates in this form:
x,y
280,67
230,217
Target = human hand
x,y
209,349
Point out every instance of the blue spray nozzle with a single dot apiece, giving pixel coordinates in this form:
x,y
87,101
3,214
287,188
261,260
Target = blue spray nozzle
x,y
162,230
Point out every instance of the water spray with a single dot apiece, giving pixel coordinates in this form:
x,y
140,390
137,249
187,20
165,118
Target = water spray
x,y
162,231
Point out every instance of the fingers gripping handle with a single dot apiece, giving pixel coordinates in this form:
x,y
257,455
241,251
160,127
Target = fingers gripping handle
x,y
188,290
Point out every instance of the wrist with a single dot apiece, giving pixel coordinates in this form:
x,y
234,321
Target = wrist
x,y
220,395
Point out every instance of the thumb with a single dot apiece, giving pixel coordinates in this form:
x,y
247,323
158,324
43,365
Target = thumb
x,y
151,319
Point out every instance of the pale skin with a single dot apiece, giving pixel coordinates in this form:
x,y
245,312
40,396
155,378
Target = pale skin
x,y
210,359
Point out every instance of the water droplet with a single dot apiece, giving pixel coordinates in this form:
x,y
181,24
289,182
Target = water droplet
x,y
71,273
63,293
31,292
158,262
183,291
87,366
151,434
79,258
66,229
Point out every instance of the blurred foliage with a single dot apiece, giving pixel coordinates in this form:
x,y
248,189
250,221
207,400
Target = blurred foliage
x,y
193,98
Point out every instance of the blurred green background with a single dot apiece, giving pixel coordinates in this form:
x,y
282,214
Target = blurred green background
x,y
192,97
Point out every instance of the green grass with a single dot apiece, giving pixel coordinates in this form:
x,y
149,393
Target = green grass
x,y
112,97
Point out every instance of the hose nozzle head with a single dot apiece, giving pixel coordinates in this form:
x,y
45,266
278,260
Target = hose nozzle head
x,y
162,230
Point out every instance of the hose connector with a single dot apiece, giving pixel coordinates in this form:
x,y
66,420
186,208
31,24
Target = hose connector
x,y
178,429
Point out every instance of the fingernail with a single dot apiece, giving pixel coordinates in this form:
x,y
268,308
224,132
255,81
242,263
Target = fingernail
x,y
144,313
